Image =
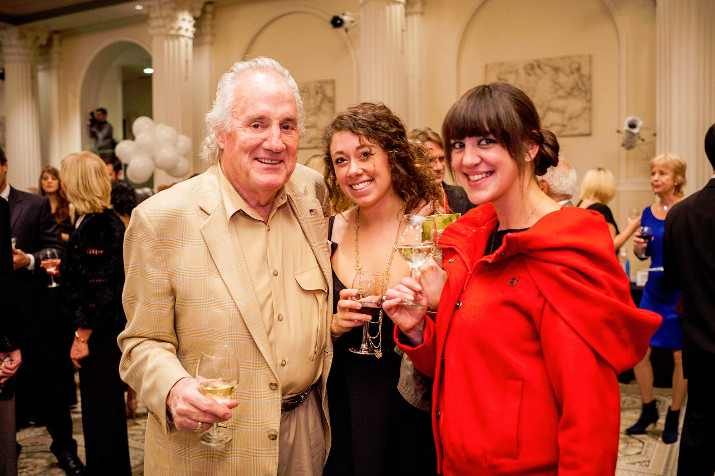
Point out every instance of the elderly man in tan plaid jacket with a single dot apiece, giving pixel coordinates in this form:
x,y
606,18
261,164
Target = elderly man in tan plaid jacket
x,y
237,255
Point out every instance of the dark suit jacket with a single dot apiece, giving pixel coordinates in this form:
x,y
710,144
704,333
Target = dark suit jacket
x,y
8,319
689,262
457,199
34,227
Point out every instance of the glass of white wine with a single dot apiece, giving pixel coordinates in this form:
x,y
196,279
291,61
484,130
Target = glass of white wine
x,y
413,248
50,261
217,374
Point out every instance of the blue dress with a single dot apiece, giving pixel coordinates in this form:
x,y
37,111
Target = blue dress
x,y
657,295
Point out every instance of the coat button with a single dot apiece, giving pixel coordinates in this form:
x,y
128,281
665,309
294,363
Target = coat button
x,y
458,305
437,414
275,272
512,281
450,260
273,386
280,317
283,363
272,436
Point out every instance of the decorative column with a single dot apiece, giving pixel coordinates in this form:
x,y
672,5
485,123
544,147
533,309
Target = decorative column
x,y
413,59
20,48
685,87
54,99
382,61
204,90
171,26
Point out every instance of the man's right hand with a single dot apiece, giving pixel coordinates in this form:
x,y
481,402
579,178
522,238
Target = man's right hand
x,y
189,407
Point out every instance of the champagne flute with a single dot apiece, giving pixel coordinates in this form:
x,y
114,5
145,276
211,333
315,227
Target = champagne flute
x,y
413,248
369,287
217,374
50,261
634,214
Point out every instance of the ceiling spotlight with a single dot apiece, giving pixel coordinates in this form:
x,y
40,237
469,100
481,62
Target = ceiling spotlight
x,y
148,70
138,6
345,20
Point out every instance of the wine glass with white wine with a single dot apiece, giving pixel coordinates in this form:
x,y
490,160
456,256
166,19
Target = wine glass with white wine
x,y
217,374
50,261
369,286
413,248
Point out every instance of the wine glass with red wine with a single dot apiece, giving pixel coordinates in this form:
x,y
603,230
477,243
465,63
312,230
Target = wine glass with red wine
x,y
647,234
369,287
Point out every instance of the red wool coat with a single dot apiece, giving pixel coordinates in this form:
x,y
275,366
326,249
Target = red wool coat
x,y
526,347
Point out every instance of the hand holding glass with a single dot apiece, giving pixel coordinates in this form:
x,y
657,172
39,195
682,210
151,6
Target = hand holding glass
x,y
369,287
413,248
647,235
50,261
217,374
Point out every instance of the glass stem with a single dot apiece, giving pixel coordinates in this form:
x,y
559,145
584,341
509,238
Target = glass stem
x,y
365,335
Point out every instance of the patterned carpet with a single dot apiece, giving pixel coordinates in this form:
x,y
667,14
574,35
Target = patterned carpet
x,y
638,455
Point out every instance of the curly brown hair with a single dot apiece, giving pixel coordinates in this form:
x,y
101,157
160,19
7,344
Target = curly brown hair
x,y
411,174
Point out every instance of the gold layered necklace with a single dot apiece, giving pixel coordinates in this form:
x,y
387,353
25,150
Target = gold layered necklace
x,y
375,340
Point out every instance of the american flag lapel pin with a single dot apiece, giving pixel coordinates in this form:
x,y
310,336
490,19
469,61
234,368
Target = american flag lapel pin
x,y
313,212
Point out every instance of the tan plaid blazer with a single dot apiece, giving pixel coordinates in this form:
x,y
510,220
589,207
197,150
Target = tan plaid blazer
x,y
187,286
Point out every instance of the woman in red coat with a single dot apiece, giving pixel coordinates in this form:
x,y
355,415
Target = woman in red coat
x,y
534,319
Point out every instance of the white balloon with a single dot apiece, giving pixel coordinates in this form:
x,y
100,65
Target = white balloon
x,y
166,158
165,135
146,144
183,144
142,124
181,169
125,150
140,169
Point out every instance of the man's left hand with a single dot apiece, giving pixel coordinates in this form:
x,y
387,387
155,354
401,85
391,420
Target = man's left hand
x,y
10,363
20,259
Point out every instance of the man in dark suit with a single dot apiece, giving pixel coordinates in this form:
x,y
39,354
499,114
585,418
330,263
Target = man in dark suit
x,y
10,355
689,263
34,228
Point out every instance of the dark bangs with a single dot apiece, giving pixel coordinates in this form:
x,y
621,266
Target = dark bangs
x,y
491,109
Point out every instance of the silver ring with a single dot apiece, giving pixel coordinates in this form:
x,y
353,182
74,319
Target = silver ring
x,y
199,428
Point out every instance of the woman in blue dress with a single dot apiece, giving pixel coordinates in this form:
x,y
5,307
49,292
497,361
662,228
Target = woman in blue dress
x,y
667,178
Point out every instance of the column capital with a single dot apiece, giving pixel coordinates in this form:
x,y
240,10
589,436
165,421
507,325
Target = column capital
x,y
173,17
205,26
414,7
21,45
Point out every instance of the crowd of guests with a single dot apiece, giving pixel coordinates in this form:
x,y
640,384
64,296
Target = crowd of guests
x,y
500,356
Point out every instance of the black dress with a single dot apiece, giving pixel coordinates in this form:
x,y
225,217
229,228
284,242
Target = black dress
x,y
92,274
374,430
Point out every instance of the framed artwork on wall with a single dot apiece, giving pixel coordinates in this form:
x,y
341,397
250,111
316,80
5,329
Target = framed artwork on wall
x,y
319,107
560,88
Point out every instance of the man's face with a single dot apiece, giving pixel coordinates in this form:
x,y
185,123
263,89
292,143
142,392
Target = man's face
x,y
100,116
3,175
112,174
260,149
436,160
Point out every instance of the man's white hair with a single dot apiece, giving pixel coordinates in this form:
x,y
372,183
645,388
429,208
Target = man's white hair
x,y
218,119
561,179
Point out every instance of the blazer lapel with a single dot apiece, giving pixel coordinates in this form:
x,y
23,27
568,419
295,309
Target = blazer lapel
x,y
228,258
16,207
311,219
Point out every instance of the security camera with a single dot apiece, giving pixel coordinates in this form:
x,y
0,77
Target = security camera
x,y
344,20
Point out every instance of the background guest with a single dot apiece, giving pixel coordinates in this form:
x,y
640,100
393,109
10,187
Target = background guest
x,y
559,182
63,210
667,178
689,263
517,362
41,394
379,408
100,131
455,199
597,189
93,277
10,355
